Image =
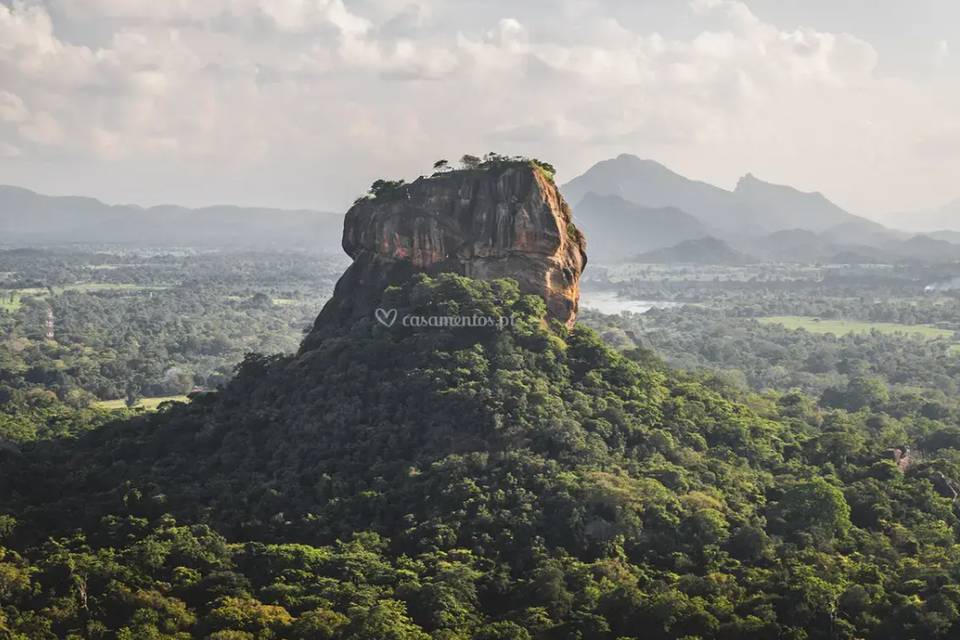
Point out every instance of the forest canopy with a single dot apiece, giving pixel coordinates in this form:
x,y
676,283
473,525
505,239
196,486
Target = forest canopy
x,y
529,482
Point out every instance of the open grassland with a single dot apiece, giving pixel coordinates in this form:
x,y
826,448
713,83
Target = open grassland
x,y
845,327
12,299
150,404
9,301
87,287
101,286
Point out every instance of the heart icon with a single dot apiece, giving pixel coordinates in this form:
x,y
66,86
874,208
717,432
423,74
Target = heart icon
x,y
386,317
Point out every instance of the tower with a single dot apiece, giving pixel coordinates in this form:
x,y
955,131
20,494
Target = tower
x,y
50,324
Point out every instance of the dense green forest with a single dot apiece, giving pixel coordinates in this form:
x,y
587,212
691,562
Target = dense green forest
x,y
137,324
906,294
532,482
763,356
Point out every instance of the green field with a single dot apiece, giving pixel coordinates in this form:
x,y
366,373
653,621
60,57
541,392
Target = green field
x,y
150,404
845,327
105,286
88,287
9,303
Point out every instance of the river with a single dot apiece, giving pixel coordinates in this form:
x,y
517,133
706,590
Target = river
x,y
610,303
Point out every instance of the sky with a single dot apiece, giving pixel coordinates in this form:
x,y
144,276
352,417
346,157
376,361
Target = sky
x,y
303,103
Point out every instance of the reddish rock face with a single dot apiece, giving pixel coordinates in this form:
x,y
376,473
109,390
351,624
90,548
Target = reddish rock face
x,y
507,222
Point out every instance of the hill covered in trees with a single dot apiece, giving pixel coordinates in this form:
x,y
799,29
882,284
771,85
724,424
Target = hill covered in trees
x,y
521,480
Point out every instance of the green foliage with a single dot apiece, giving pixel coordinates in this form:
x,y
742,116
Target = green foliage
x,y
493,161
860,392
548,170
772,357
385,190
469,162
815,507
35,414
131,326
525,482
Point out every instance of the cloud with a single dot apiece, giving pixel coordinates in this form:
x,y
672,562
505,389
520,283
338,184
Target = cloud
x,y
941,146
12,109
41,128
8,150
942,52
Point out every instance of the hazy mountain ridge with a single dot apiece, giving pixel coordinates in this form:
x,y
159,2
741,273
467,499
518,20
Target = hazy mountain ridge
x,y
628,206
754,206
945,218
32,218
627,201
650,184
708,250
785,207
946,234
802,246
620,229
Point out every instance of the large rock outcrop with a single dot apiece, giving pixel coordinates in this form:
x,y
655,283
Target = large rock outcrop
x,y
506,221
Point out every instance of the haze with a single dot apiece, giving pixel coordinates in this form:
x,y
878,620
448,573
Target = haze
x,y
303,103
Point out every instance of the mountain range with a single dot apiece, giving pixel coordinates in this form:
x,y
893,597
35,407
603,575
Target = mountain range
x,y
27,217
650,184
754,207
626,205
619,229
630,206
783,207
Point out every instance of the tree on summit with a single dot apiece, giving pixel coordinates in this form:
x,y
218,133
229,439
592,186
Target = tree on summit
x,y
385,188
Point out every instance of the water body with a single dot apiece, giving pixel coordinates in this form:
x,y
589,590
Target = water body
x,y
610,303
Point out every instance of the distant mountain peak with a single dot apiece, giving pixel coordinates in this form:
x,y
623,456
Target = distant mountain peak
x,y
631,157
617,228
593,199
751,181
754,207
634,162
650,184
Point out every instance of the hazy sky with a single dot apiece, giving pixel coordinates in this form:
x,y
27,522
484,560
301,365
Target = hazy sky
x,y
305,102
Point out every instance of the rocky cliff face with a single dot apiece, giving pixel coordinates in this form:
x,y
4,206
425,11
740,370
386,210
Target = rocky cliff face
x,y
501,222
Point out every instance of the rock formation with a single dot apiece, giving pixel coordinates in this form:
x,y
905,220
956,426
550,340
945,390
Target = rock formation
x,y
503,221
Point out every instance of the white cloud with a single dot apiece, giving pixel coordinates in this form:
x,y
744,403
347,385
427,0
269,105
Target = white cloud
x,y
12,109
41,128
8,150
942,52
